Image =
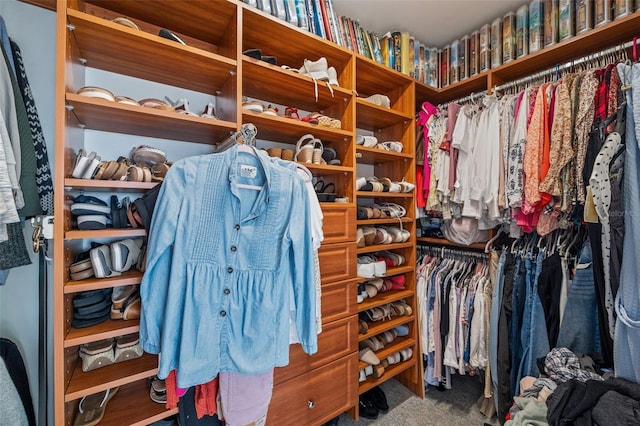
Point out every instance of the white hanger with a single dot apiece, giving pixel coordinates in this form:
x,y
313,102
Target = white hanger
x,y
494,238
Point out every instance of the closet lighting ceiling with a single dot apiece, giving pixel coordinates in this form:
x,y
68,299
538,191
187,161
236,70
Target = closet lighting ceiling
x,y
433,22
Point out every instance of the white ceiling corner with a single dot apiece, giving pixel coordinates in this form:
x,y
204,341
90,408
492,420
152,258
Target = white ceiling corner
x,y
433,22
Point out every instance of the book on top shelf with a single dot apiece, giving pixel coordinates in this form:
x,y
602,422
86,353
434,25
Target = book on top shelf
x,y
333,21
292,15
279,9
376,48
325,20
302,14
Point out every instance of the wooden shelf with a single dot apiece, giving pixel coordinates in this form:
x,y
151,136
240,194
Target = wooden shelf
x,y
397,270
105,233
397,345
386,221
286,130
373,78
378,327
373,117
274,84
100,114
373,194
107,185
104,330
195,19
113,47
477,83
384,298
130,277
113,375
389,373
444,242
326,169
383,247
273,37
47,4
131,405
366,155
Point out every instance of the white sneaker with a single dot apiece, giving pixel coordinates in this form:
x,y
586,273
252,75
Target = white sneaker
x,y
333,76
317,70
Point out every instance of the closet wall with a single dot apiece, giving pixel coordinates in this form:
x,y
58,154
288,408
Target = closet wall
x,y
33,29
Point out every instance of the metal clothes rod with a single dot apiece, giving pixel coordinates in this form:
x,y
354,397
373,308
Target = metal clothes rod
x,y
469,98
454,254
559,68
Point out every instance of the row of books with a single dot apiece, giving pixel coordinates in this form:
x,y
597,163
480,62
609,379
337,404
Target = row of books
x,y
397,50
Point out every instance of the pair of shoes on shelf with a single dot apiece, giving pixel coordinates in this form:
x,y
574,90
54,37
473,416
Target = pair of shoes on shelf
x,y
115,258
91,307
125,302
309,149
90,212
285,154
181,106
375,397
318,70
157,390
91,408
378,99
322,120
325,191
105,352
370,267
259,108
257,54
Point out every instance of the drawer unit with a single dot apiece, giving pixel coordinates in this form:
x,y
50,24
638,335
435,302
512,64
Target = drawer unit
x,y
337,262
316,396
338,224
338,339
339,300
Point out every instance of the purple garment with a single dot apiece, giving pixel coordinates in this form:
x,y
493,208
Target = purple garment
x,y
245,398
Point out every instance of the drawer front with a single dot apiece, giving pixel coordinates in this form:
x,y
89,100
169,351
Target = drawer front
x,y
338,339
338,224
337,262
314,396
339,300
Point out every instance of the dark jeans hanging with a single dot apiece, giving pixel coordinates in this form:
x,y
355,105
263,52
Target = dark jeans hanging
x,y
549,286
505,397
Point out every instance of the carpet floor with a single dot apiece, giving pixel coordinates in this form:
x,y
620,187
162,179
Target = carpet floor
x,y
454,407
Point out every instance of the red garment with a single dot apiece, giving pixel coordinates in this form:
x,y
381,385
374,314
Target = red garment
x,y
205,397
421,199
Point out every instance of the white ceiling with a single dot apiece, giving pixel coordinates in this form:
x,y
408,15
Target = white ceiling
x,y
433,22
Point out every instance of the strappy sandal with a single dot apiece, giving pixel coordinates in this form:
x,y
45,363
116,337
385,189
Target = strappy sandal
x,y
156,104
209,112
126,22
393,210
130,309
304,148
157,390
138,173
181,106
96,92
85,165
159,171
125,253
290,112
92,407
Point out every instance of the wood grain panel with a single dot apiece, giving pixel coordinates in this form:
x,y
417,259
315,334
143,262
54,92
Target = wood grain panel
x,y
338,224
337,262
338,300
104,330
373,117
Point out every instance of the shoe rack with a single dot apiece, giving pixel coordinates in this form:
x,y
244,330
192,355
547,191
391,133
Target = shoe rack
x,y
310,389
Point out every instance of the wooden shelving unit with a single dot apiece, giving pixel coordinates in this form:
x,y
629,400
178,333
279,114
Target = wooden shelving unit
x,y
212,63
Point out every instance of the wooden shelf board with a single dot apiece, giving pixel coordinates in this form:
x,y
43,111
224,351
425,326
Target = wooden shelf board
x,y
286,130
619,31
373,194
104,330
107,185
397,345
378,327
389,373
113,47
384,298
383,247
390,221
366,155
372,77
328,169
476,83
105,233
127,278
47,4
374,117
426,93
336,206
131,405
397,270
113,375
274,36
195,19
100,114
444,242
274,84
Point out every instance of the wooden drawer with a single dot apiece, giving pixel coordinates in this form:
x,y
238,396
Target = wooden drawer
x,y
339,300
337,262
338,224
338,339
316,396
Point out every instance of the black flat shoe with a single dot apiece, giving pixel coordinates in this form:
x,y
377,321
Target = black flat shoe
x,y
379,399
367,409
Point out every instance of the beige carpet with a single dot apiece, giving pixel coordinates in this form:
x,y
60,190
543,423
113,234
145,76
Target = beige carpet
x,y
454,407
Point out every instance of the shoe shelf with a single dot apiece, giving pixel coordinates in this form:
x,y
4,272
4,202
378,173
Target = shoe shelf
x,y
281,129
386,221
107,185
273,36
198,20
397,270
99,114
398,344
383,247
327,169
113,47
371,116
132,406
374,194
104,330
113,375
389,373
274,84
127,278
377,327
383,298
373,78
366,155
105,233
445,242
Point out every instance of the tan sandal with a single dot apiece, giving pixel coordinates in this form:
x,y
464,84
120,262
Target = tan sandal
x,y
92,407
